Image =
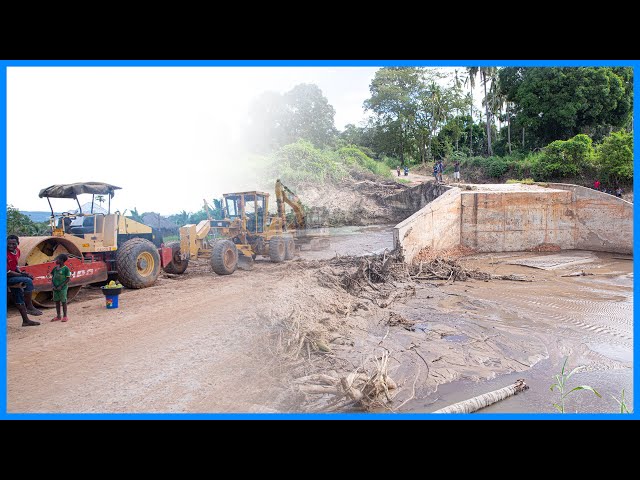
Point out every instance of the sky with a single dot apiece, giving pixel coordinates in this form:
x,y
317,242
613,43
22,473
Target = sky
x,y
167,135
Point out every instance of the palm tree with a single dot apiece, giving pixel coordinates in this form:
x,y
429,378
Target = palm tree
x,y
487,73
471,76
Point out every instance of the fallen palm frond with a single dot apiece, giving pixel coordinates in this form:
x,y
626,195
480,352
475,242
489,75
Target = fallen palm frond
x,y
482,401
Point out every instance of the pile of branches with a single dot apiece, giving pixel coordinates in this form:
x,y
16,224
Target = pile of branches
x,y
364,389
450,270
370,271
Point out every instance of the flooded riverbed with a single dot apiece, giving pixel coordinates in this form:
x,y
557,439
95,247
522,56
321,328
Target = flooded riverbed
x,y
578,305
474,337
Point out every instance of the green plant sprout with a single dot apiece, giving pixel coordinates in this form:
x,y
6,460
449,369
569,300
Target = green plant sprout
x,y
561,385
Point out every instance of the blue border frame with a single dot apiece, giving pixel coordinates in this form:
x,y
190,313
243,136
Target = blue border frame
x,y
4,64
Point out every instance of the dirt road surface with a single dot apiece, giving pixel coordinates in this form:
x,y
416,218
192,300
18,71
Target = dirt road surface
x,y
412,178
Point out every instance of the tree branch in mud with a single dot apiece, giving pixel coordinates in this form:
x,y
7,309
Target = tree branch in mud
x,y
450,270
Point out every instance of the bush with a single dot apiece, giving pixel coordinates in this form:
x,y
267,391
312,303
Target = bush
x,y
564,158
496,168
614,158
353,156
301,162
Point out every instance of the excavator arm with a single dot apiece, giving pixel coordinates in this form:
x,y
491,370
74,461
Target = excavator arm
x,y
284,195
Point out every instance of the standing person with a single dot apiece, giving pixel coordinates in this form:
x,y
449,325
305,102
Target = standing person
x,y
16,276
436,169
60,276
456,171
619,192
440,170
596,184
398,170
406,170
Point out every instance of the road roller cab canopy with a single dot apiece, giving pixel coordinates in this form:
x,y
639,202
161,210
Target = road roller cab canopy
x,y
72,190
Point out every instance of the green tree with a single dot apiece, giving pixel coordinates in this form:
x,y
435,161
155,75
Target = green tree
x,y
614,158
18,223
303,113
310,116
394,95
559,103
135,215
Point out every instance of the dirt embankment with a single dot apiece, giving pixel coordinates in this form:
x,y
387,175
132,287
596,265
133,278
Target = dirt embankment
x,y
354,201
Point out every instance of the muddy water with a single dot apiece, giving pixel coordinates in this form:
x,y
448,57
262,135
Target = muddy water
x,y
350,241
579,305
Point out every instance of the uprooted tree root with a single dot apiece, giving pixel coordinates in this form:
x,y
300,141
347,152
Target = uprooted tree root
x,y
292,339
367,388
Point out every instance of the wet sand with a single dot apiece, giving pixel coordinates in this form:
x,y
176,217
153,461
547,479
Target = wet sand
x,y
588,318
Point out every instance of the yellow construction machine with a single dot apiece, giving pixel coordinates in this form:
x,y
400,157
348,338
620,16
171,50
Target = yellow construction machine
x,y
99,245
246,231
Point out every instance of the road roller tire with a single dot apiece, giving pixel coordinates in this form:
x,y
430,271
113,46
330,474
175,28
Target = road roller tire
x,y
289,247
224,257
177,264
277,249
138,263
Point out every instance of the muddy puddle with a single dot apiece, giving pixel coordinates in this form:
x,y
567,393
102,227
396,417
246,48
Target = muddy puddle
x,y
348,241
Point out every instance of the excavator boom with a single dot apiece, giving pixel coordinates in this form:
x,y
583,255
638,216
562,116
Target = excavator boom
x,y
285,195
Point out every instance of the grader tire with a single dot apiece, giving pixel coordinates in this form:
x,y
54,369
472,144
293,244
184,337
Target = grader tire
x,y
177,264
277,249
138,263
224,257
289,247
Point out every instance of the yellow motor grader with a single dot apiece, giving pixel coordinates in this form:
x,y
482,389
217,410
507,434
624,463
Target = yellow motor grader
x,y
246,232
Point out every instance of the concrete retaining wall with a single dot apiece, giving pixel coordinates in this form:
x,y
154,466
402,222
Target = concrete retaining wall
x,y
437,225
502,218
514,221
603,222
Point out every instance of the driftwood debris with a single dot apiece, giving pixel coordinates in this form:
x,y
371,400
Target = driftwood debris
x,y
450,270
482,401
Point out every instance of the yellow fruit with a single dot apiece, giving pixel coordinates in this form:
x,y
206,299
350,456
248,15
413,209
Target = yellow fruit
x,y
112,283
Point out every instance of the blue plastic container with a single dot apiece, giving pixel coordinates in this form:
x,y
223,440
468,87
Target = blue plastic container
x,y
111,296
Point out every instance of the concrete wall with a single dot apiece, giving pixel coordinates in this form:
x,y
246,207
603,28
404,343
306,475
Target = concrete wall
x,y
437,225
514,221
499,218
603,222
